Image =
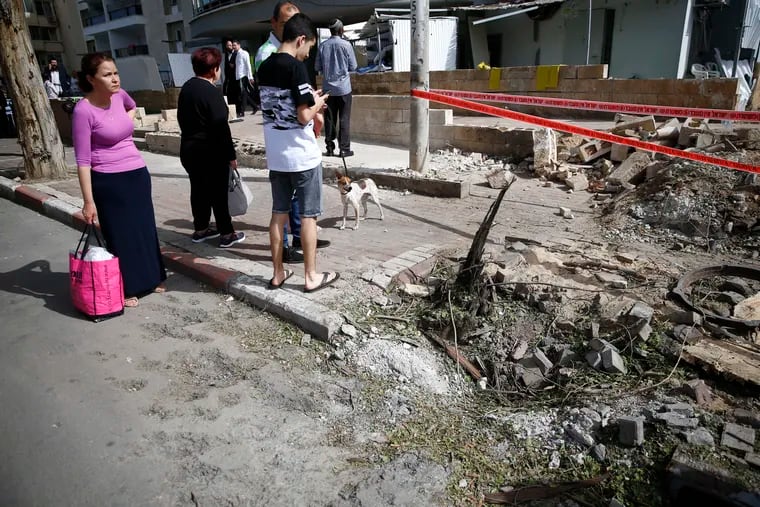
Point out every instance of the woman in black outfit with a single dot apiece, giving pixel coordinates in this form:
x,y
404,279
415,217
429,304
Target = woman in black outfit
x,y
206,149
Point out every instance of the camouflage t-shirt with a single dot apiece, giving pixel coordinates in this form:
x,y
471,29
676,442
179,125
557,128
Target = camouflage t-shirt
x,y
284,86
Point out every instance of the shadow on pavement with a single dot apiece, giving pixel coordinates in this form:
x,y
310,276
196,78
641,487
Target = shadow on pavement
x,y
36,279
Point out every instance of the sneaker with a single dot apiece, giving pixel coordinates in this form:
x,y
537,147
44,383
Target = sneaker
x,y
200,237
346,153
329,153
321,243
291,255
228,241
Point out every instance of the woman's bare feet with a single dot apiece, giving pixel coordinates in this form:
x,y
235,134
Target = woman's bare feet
x,y
160,289
131,302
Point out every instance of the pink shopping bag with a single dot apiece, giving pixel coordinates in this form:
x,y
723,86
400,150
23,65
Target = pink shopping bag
x,y
96,286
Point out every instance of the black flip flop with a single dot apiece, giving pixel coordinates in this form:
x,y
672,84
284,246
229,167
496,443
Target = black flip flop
x,y
324,283
288,274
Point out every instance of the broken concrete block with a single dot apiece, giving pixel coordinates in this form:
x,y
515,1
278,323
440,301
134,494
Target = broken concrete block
x,y
577,182
612,280
631,170
619,152
530,377
500,178
686,317
599,345
699,391
747,417
641,312
593,150
644,332
753,459
700,436
542,362
688,334
519,351
566,213
567,357
625,257
669,130
631,431
740,438
684,409
653,169
415,290
646,123
704,140
613,362
748,309
578,435
690,129
594,359
676,420
599,453
544,150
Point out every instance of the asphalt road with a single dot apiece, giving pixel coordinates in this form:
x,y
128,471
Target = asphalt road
x,y
69,434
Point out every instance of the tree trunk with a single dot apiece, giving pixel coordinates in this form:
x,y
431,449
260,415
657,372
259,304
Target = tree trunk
x,y
37,132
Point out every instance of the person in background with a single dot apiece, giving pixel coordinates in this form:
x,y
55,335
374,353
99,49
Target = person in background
x,y
231,86
58,79
289,106
244,75
74,90
335,60
115,183
283,11
206,149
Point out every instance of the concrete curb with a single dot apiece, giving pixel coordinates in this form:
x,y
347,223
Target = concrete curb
x,y
168,144
313,317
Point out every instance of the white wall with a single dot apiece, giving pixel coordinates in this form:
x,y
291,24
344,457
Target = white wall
x,y
646,38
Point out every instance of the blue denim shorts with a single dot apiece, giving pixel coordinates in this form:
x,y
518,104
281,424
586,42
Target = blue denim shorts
x,y
307,186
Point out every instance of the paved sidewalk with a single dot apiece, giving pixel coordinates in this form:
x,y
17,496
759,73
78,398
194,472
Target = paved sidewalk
x,y
414,227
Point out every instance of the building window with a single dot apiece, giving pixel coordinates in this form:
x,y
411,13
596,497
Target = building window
x,y
44,8
43,33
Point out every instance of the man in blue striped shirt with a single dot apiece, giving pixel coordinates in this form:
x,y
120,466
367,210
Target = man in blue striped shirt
x,y
335,59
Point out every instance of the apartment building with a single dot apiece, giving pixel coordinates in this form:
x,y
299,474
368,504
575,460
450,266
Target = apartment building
x,y
128,28
56,31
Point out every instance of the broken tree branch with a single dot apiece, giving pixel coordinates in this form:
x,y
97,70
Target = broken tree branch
x,y
469,273
459,358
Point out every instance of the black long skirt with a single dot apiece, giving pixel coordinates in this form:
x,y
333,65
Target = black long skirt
x,y
125,212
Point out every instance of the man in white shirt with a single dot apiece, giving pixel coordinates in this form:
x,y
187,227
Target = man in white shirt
x,y
244,76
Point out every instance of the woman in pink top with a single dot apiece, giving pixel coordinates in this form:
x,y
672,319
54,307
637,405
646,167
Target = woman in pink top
x,y
115,183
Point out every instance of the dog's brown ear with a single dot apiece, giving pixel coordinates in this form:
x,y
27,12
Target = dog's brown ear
x,y
338,175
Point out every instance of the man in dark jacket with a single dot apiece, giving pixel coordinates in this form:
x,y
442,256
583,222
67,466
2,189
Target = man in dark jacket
x,y
59,81
231,87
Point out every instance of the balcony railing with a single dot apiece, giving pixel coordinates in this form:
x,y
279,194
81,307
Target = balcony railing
x,y
137,49
123,12
94,20
201,6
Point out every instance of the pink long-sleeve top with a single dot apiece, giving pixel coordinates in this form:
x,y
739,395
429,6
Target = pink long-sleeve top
x,y
103,136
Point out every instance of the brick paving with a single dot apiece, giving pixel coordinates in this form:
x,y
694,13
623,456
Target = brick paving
x,y
410,221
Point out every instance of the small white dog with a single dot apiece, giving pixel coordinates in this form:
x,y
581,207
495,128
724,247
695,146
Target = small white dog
x,y
355,191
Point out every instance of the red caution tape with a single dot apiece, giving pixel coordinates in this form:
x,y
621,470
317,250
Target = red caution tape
x,y
610,107
582,131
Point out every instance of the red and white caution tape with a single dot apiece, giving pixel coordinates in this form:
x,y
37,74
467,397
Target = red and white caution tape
x,y
582,131
610,107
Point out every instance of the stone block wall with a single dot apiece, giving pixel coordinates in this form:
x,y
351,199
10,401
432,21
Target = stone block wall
x,y
155,101
581,82
385,119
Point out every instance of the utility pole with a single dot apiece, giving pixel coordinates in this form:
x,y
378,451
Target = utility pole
x,y
419,80
37,131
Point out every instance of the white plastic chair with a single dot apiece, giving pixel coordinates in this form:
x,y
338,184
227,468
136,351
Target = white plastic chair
x,y
712,70
699,71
